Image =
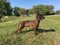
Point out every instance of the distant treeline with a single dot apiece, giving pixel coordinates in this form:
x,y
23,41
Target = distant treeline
x,y
7,10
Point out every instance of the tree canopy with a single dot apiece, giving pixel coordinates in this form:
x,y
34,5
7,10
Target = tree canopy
x,y
43,9
6,9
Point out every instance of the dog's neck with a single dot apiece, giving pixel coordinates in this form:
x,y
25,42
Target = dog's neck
x,y
38,21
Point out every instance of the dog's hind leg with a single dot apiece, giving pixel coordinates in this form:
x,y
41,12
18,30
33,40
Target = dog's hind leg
x,y
20,27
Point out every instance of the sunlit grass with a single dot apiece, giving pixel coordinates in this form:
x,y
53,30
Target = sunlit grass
x,y
45,36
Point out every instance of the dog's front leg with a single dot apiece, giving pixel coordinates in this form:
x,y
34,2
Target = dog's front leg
x,y
35,31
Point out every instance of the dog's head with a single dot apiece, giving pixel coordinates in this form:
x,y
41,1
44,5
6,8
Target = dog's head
x,y
40,17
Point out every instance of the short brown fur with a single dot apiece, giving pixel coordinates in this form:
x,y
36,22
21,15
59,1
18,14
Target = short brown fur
x,y
31,23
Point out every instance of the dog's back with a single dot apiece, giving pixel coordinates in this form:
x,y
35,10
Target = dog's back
x,y
28,23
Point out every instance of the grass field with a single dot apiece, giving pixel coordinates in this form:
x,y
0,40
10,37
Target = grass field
x,y
48,33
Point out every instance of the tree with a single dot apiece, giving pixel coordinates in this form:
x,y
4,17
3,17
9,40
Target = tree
x,y
16,11
43,9
35,9
2,11
58,12
8,9
30,11
23,11
50,9
27,12
5,8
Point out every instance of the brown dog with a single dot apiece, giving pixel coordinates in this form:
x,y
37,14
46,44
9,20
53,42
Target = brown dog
x,y
33,23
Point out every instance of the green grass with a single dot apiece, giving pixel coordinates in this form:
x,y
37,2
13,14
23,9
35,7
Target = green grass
x,y
48,33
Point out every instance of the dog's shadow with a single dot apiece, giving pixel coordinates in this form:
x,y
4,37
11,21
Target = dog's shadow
x,y
39,30
45,30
